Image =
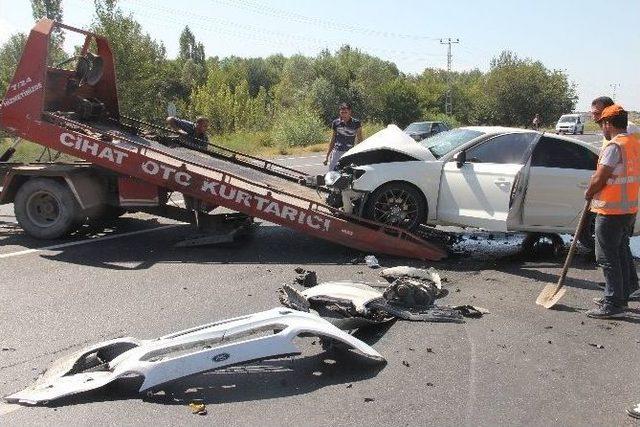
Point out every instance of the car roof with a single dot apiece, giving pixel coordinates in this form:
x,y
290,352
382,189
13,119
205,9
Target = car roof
x,y
593,146
496,130
499,129
423,123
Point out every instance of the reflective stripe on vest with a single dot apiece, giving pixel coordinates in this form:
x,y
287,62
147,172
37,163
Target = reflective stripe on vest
x,y
620,195
623,180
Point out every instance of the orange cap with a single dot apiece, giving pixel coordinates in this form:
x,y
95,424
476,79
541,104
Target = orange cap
x,y
611,111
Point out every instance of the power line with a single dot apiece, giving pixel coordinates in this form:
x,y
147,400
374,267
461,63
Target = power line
x,y
259,34
448,104
263,10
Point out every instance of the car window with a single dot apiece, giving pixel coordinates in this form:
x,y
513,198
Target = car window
x,y
445,142
418,127
558,153
508,148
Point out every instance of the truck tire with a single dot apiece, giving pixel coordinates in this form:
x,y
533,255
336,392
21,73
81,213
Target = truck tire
x,y
397,203
46,208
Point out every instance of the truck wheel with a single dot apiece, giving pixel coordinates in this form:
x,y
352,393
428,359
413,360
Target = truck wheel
x,y
46,209
397,203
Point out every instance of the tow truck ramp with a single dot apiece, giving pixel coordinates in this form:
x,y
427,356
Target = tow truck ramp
x,y
37,108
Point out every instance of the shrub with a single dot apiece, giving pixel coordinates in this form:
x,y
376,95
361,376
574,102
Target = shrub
x,y
297,127
369,128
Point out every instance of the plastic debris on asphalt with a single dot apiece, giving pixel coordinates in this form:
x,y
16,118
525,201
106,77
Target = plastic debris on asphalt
x,y
411,295
198,408
306,278
431,274
371,261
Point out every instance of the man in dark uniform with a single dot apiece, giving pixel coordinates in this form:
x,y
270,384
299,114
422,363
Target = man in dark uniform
x,y
347,132
196,132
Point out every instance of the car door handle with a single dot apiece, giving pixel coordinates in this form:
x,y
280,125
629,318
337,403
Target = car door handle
x,y
501,183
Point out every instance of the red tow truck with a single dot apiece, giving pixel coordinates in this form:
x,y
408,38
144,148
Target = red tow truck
x,y
130,165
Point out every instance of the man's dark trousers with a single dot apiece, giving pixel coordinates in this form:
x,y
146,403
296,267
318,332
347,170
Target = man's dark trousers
x,y
614,256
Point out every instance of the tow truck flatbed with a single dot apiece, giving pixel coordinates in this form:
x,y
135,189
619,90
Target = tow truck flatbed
x,y
36,108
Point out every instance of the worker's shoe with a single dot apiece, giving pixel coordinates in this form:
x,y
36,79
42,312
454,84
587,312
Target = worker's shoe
x,y
606,311
634,411
600,301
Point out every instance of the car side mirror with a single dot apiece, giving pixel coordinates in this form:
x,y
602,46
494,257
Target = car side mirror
x,y
460,158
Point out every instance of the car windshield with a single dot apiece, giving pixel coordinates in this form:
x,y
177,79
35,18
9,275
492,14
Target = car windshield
x,y
418,127
445,142
567,119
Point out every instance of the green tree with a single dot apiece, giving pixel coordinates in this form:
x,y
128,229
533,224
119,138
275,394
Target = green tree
x,y
186,42
401,104
517,89
51,9
191,54
10,54
297,75
214,99
298,126
325,97
138,60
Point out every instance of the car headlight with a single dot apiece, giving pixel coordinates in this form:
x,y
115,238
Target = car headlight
x,y
331,177
337,180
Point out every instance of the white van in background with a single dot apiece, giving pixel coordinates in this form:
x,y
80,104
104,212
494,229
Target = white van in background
x,y
570,123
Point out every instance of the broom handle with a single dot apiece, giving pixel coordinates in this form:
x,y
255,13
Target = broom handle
x,y
572,249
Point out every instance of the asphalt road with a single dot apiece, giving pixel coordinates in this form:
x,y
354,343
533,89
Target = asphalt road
x,y
518,365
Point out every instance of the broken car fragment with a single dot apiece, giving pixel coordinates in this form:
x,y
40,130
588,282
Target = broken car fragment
x,y
350,305
265,335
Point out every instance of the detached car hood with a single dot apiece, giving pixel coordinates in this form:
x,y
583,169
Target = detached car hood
x,y
391,138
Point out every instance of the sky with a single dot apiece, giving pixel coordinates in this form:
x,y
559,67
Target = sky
x,y
598,48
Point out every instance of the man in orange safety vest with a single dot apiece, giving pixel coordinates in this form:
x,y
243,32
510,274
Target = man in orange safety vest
x,y
613,191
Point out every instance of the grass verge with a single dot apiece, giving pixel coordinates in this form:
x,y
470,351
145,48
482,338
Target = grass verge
x,y
254,143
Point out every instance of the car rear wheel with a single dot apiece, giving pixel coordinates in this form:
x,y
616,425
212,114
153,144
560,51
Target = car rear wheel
x,y
46,209
397,203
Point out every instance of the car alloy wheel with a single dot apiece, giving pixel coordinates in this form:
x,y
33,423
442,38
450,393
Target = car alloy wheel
x,y
397,204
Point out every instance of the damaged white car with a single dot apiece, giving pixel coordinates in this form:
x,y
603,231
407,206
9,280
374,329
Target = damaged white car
x,y
494,178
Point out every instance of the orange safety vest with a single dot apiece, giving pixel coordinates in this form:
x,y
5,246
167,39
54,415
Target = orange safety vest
x,y
620,195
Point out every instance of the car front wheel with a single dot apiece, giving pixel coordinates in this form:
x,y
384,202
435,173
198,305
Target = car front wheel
x,y
397,203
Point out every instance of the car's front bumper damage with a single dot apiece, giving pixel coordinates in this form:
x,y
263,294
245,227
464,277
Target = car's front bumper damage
x,y
339,186
259,336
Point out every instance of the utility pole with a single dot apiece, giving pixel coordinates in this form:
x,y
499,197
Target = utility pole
x,y
614,86
448,105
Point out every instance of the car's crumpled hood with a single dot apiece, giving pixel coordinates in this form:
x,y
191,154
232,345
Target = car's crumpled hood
x,y
392,138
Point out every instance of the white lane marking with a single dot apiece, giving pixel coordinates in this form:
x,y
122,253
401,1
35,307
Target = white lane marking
x,y
7,408
315,164
297,158
82,242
